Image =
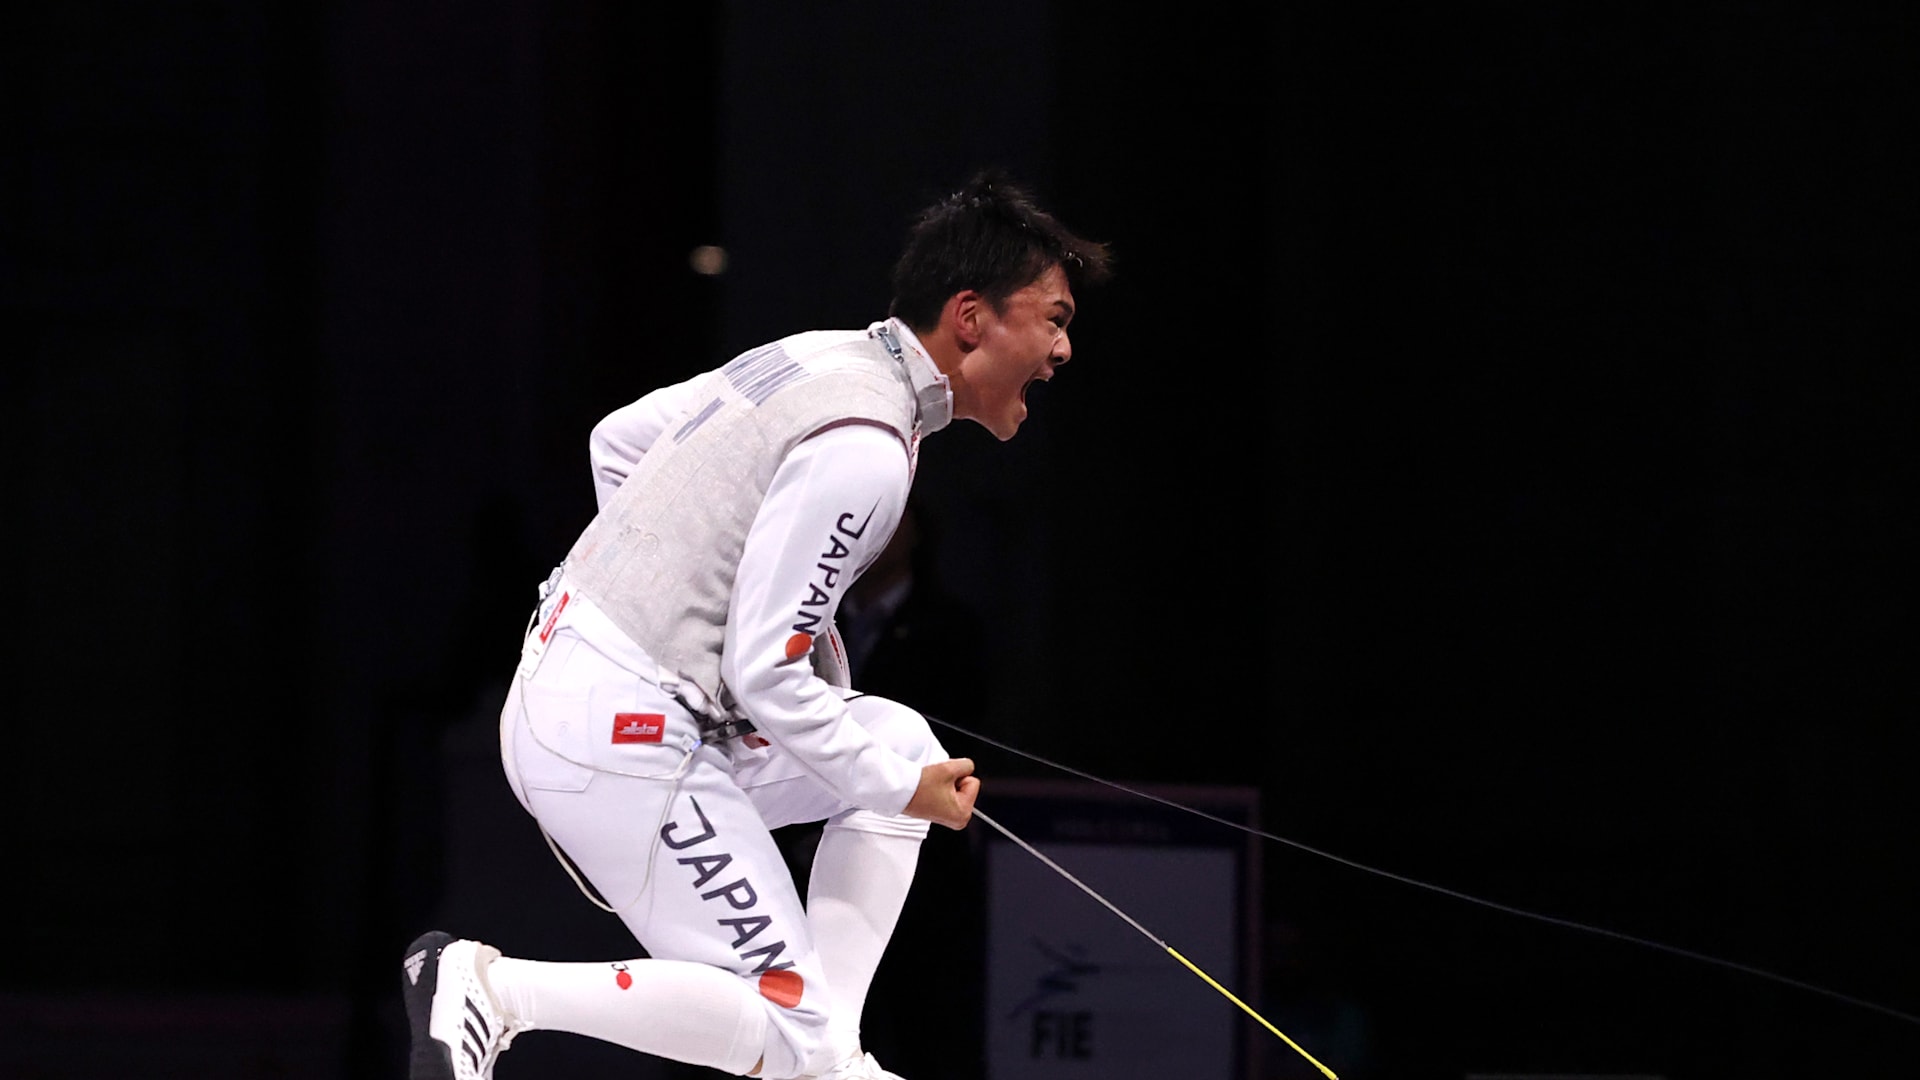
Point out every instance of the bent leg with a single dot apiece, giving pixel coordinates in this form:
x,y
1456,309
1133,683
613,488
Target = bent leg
x,y
674,1009
862,870
679,852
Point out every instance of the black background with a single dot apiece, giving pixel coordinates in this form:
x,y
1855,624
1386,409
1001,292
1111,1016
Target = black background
x,y
1496,448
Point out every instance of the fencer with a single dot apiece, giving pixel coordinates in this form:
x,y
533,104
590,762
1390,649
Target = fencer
x,y
681,691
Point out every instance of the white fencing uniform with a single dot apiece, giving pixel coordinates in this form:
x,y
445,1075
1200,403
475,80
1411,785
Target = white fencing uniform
x,y
602,743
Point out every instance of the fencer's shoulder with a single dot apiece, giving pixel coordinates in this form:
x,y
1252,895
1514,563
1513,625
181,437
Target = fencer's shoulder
x,y
808,380
812,342
823,350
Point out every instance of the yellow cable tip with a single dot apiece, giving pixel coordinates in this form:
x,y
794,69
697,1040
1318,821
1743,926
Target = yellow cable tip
x,y
1248,1009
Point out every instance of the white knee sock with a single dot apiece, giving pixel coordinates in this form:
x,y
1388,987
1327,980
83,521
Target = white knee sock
x,y
670,1008
859,884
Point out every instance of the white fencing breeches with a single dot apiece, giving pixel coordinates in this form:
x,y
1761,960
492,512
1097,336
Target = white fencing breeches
x,y
674,834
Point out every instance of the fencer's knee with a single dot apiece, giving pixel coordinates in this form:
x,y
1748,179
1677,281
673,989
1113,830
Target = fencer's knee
x,y
905,732
900,728
794,1038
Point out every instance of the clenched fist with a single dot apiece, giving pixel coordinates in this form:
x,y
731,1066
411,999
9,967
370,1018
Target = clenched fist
x,y
946,793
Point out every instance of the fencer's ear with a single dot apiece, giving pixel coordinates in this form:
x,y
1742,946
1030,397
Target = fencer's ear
x,y
964,311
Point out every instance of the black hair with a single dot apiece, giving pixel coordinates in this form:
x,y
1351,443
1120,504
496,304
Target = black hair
x,y
990,236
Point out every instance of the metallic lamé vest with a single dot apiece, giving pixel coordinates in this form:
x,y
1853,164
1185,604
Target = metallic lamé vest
x,y
661,556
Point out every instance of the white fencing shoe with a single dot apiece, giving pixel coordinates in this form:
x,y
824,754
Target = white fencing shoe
x,y
862,1067
458,1029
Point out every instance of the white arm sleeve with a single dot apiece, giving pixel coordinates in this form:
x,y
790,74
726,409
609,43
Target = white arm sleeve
x,y
832,506
627,433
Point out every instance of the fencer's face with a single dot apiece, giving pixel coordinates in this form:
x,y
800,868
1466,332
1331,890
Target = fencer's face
x,y
1017,346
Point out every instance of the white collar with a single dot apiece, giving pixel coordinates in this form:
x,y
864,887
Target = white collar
x,y
930,387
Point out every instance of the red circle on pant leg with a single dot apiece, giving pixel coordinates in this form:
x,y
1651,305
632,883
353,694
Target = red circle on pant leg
x,y
783,988
623,980
797,646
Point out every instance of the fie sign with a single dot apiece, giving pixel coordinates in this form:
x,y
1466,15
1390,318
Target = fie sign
x,y
1072,990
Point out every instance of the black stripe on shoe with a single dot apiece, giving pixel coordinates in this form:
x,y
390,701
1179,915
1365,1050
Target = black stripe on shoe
x,y
477,1015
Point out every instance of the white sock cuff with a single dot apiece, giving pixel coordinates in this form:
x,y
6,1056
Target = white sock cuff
x,y
866,821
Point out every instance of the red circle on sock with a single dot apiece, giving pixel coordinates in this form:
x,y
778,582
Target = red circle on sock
x,y
623,980
783,988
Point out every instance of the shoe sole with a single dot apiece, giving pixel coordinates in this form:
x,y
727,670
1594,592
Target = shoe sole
x,y
429,1058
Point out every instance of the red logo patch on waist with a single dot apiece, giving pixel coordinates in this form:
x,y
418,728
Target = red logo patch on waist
x,y
638,727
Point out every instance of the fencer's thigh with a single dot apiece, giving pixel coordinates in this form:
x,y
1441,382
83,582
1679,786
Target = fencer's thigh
x,y
786,794
669,841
